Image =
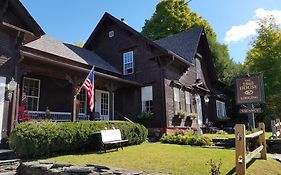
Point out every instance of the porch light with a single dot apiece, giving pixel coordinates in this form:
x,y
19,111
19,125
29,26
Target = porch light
x,y
11,87
206,99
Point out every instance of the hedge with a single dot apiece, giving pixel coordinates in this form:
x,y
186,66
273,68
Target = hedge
x,y
186,139
33,139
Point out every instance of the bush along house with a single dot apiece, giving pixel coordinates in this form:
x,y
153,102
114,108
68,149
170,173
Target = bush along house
x,y
153,82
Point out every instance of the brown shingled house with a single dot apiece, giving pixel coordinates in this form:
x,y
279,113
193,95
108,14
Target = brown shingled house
x,y
132,74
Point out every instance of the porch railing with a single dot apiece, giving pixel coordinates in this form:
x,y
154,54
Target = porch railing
x,y
55,116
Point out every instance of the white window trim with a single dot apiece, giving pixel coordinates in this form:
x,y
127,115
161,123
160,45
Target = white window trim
x,y
86,103
143,101
223,110
176,100
39,87
105,92
187,101
198,68
124,71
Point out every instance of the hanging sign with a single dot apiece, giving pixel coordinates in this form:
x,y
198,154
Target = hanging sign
x,y
251,110
249,89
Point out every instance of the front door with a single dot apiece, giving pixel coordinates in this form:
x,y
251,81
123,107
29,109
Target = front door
x,y
199,109
2,98
102,104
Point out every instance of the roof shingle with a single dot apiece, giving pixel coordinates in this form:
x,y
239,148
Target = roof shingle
x,y
183,44
71,52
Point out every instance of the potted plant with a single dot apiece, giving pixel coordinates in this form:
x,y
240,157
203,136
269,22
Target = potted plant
x,y
181,114
192,115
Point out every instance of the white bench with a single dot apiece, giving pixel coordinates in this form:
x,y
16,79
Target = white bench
x,y
111,137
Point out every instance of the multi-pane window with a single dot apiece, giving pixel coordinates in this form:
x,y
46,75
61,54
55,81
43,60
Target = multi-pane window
x,y
176,99
104,103
221,113
82,97
198,68
147,99
128,63
31,92
187,102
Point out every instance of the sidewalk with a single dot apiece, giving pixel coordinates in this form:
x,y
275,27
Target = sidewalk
x,y
275,156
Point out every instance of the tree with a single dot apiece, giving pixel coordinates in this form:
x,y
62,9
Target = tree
x,y
171,17
265,58
79,44
174,16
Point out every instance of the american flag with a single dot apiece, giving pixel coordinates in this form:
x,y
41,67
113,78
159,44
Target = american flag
x,y
88,85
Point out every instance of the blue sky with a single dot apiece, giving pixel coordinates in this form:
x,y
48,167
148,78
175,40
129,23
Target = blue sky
x,y
234,21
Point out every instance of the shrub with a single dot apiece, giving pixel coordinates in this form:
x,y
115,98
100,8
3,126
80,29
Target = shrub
x,y
145,116
215,167
221,132
186,139
33,139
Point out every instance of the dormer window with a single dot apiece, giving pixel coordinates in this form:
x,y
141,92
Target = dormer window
x,y
111,34
128,62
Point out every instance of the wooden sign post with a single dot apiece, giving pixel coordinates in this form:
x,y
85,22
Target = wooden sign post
x,y
250,90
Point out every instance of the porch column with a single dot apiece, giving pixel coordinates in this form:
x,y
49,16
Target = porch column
x,y
75,105
75,81
111,88
111,107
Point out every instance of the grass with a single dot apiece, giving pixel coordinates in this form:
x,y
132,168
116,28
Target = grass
x,y
167,158
267,135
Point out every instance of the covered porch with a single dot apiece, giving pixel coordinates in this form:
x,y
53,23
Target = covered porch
x,y
47,85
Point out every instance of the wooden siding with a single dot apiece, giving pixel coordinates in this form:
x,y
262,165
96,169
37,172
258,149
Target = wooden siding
x,y
186,78
147,70
54,93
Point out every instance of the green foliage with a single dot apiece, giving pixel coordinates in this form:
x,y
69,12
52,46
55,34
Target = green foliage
x,y
174,16
222,132
145,116
33,139
215,167
265,58
79,44
186,139
226,68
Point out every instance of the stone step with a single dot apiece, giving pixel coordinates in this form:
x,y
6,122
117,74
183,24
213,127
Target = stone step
x,y
9,173
7,154
9,167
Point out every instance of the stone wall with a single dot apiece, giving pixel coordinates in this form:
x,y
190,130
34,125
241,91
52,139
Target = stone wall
x,y
53,168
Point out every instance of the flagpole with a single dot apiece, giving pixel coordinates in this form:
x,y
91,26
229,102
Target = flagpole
x,y
75,97
83,83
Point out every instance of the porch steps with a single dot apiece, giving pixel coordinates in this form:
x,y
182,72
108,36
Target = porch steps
x,y
8,162
7,154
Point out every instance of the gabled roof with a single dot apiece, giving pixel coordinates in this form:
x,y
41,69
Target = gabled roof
x,y
183,44
106,16
23,15
120,23
70,52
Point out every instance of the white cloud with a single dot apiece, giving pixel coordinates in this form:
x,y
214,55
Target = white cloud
x,y
243,31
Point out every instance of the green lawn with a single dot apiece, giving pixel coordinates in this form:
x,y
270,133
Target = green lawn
x,y
167,158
